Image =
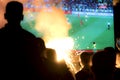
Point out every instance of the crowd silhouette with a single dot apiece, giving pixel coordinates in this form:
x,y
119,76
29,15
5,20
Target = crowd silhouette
x,y
52,69
22,55
18,47
86,72
104,64
25,57
102,67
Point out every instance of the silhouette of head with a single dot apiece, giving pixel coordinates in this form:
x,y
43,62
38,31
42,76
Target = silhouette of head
x,y
14,12
41,43
51,54
103,64
112,54
86,58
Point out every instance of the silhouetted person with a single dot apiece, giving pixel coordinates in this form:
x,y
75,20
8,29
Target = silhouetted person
x,y
54,70
111,52
38,58
117,68
117,34
86,72
18,47
114,53
104,64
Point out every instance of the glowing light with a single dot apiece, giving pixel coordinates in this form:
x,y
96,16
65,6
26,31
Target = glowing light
x,y
118,60
94,45
88,47
83,37
53,24
62,46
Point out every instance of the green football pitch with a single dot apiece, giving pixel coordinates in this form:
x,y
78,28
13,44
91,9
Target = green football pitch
x,y
85,31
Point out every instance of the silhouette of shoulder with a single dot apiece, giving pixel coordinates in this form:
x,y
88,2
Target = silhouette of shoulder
x,y
7,32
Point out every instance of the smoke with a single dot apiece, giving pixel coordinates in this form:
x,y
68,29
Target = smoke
x,y
52,23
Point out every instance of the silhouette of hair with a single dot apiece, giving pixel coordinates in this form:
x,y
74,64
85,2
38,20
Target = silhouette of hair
x,y
102,60
85,73
85,58
103,65
14,11
14,7
111,49
50,54
41,44
41,48
112,54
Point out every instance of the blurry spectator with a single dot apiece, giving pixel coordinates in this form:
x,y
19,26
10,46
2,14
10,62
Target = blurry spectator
x,y
115,56
20,53
54,70
86,72
104,64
